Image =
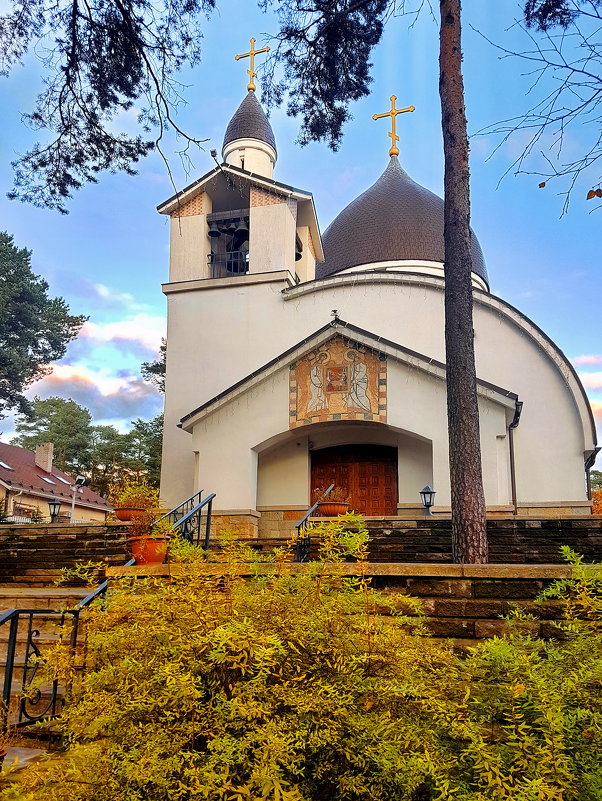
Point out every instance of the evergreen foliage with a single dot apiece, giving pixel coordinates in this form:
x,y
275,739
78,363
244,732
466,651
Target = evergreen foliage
x,y
154,372
64,423
104,455
101,58
34,328
236,681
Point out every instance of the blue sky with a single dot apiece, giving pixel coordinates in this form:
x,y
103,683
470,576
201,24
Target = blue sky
x,y
109,256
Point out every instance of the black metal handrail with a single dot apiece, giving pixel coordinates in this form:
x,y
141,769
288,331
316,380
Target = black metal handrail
x,y
181,509
32,706
189,526
35,706
303,541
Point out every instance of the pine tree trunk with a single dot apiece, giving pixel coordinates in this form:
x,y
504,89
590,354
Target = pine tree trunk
x,y
469,530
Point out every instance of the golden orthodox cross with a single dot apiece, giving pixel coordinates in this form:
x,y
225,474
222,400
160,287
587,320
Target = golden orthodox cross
x,y
251,55
394,151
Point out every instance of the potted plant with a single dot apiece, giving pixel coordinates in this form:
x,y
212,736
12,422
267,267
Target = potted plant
x,y
336,502
149,539
134,499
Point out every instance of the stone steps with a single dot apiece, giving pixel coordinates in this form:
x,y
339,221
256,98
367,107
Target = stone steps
x,y
12,597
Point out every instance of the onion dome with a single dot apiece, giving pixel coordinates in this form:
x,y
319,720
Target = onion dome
x,y
250,122
394,220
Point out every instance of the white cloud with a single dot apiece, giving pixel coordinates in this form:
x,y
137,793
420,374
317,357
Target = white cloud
x,y
591,380
143,329
593,359
107,293
106,395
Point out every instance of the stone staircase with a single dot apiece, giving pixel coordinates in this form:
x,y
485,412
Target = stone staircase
x,y
31,561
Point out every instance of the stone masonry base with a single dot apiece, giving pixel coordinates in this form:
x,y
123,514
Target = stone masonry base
x,y
462,602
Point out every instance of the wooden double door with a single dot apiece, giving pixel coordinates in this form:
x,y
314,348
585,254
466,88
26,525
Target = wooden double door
x,y
367,472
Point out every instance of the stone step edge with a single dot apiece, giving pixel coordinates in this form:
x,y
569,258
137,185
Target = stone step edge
x,y
407,569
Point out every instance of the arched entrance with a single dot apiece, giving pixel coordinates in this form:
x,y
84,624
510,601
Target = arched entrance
x,y
367,472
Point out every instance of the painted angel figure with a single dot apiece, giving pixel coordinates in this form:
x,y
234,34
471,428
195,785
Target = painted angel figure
x,y
358,393
317,398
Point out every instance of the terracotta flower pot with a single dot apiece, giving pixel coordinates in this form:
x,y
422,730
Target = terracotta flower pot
x,y
332,508
148,550
127,513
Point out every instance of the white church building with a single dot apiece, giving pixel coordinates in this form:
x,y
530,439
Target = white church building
x,y
296,359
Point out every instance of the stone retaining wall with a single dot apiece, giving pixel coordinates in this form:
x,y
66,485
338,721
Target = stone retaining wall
x,y
32,554
462,602
429,540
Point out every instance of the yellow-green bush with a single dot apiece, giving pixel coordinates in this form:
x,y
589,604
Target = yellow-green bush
x,y
284,685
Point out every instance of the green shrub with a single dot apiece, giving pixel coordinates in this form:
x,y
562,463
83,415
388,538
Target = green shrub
x,y
239,680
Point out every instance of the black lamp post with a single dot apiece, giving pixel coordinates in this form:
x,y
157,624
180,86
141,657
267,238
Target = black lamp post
x,y
54,506
427,495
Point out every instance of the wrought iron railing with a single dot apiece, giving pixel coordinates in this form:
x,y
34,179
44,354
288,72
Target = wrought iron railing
x,y
24,699
227,265
195,521
303,539
23,702
182,509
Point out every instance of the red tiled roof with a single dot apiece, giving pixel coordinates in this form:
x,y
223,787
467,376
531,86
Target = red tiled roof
x,y
27,476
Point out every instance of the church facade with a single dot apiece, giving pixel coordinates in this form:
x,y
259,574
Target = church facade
x,y
296,360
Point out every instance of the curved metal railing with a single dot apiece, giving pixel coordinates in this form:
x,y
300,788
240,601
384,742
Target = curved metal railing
x,y
303,540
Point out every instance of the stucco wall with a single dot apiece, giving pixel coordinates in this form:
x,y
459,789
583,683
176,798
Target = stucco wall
x,y
189,247
266,251
217,337
229,439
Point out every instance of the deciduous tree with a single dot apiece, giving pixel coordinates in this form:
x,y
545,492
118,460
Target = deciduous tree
x,y
563,52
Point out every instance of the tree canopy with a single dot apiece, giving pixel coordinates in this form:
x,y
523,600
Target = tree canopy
x,y
100,58
34,328
103,454
64,423
154,372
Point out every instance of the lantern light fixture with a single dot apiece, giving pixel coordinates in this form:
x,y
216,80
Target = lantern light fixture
x,y
54,507
427,496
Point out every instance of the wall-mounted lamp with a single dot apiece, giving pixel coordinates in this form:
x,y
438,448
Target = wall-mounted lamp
x,y
427,496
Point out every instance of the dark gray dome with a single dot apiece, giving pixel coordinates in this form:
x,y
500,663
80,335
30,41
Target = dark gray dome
x,y
250,122
395,220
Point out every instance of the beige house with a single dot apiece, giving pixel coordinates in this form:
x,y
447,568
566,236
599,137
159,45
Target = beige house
x,y
29,480
296,359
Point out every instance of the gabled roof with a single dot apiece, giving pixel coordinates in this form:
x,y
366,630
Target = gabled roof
x,y
353,332
25,475
224,171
